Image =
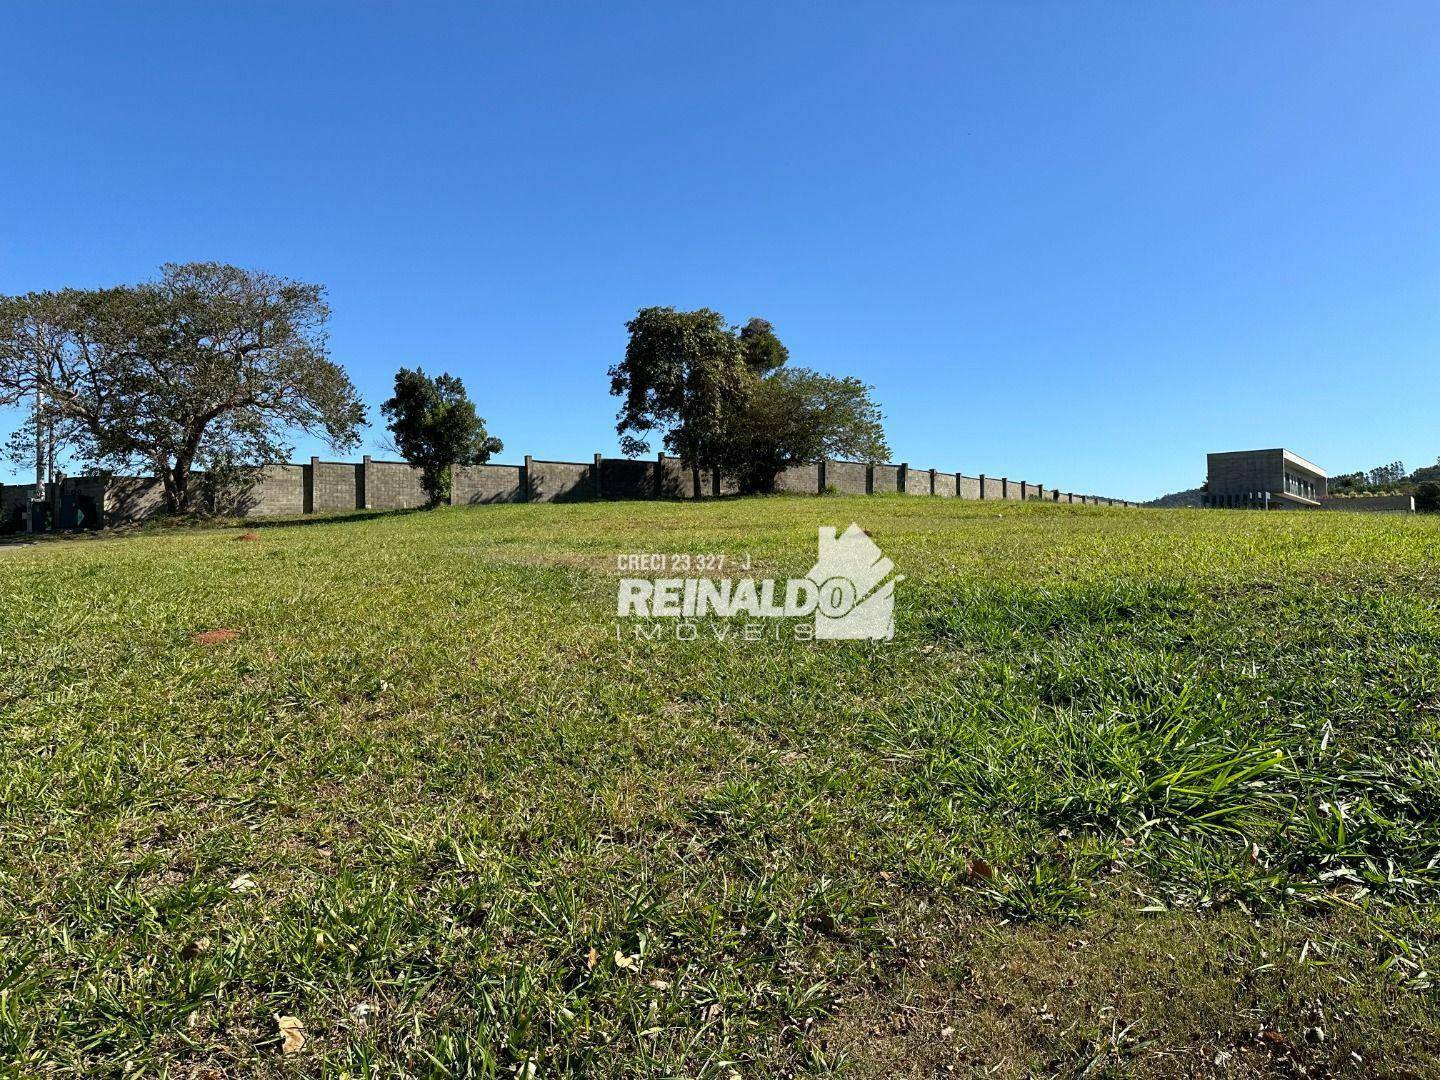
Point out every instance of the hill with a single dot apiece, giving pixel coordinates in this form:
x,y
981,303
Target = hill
x,y
1188,497
406,779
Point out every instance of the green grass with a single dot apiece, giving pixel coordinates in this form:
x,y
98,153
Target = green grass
x,y
1196,753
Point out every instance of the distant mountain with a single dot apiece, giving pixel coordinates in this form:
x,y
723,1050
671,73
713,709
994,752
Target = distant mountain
x,y
1191,497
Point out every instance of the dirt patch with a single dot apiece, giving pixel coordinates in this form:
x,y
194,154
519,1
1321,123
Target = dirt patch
x,y
248,537
1173,996
215,637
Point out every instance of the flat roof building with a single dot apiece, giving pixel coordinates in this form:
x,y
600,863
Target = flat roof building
x,y
1263,479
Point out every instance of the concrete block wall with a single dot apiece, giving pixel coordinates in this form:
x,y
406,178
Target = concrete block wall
x,y
884,479
559,481
472,484
14,505
393,485
279,490
626,478
336,485
847,477
800,479
678,480
333,486
132,498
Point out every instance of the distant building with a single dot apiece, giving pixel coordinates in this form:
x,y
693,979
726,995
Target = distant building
x,y
1263,479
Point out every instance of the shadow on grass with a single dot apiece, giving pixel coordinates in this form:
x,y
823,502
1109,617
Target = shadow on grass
x,y
161,524
339,517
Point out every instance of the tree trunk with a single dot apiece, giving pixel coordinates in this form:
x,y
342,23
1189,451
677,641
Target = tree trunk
x,y
177,486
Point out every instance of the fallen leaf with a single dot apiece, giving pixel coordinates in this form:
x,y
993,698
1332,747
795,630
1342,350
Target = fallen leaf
x,y
196,948
292,1033
623,961
591,959
979,868
243,883
249,537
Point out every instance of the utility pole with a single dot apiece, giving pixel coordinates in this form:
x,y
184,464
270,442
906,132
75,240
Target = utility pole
x,y
39,436
37,503
39,441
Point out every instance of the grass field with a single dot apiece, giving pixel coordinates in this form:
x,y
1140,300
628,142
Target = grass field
x,y
1147,793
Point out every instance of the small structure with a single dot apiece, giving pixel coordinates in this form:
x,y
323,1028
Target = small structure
x,y
1264,480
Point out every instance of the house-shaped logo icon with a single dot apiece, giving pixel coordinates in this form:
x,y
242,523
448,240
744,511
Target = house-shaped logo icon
x,y
856,602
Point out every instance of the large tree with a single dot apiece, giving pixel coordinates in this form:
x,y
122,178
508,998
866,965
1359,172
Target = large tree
x,y
434,425
723,398
795,415
36,332
682,374
210,366
1427,497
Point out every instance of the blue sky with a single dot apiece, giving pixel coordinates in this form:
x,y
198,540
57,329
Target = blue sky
x,y
1077,243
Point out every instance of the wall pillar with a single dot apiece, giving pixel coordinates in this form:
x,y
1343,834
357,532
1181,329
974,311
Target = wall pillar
x,y
932,481
364,493
310,473
982,485
527,480
823,470
596,476
902,481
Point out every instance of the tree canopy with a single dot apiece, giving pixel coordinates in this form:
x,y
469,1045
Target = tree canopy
x,y
722,397
682,372
795,415
209,367
434,425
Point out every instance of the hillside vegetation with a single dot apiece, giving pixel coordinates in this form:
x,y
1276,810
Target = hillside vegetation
x,y
1132,792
